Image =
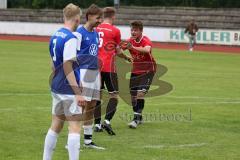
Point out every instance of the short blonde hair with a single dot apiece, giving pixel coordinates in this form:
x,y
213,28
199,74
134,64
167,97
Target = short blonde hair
x,y
70,11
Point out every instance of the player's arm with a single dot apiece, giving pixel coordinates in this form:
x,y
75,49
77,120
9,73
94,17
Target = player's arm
x,y
69,56
127,45
122,55
118,48
68,70
143,50
52,66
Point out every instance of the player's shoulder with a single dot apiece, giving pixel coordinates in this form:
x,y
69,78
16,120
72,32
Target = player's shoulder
x,y
63,33
115,28
77,35
80,29
146,39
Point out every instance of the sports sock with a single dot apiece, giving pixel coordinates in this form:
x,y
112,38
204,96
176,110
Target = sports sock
x,y
50,144
137,117
73,146
88,131
135,106
111,108
97,113
140,103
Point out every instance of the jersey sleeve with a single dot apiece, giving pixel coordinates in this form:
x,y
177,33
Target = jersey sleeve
x,y
70,49
79,40
147,42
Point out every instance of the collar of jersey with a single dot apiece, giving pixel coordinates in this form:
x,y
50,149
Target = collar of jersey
x,y
139,40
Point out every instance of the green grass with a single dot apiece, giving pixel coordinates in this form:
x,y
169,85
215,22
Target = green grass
x,y
205,83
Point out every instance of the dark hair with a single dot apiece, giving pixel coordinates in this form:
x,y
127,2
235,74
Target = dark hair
x,y
93,10
137,24
109,12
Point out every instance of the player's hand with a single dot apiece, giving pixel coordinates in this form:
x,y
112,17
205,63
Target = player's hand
x,y
81,101
129,59
125,45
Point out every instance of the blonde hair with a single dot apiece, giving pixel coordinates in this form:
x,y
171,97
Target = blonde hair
x,y
70,11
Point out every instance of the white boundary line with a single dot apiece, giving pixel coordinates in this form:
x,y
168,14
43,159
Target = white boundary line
x,y
174,146
199,97
176,97
193,103
24,94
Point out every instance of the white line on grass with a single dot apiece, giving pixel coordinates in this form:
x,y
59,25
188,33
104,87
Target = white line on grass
x,y
193,103
189,103
24,94
175,146
176,97
20,108
200,97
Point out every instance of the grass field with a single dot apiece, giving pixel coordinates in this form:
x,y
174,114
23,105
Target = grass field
x,y
205,102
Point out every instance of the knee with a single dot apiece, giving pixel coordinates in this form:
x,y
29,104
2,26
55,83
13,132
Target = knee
x,y
113,95
57,125
140,95
74,127
90,106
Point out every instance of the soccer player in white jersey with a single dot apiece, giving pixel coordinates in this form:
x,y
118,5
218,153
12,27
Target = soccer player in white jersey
x,y
89,69
66,98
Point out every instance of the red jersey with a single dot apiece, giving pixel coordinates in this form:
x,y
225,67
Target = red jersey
x,y
142,63
109,39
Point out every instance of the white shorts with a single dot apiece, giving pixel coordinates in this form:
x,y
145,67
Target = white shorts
x,y
90,83
65,105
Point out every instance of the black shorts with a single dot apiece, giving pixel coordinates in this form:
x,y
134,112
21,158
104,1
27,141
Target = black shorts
x,y
141,82
110,80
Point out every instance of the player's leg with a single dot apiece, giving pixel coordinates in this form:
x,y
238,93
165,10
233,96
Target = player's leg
x,y
88,122
134,87
138,106
58,119
112,87
191,42
52,135
73,114
88,126
73,142
144,85
91,92
194,40
97,111
97,116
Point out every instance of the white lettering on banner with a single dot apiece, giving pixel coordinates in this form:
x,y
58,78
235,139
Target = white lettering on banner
x,y
205,36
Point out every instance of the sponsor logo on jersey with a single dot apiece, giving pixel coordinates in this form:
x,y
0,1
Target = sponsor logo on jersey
x,y
93,49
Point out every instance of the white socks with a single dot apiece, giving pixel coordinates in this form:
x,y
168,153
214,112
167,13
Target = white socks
x,y
50,144
73,146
